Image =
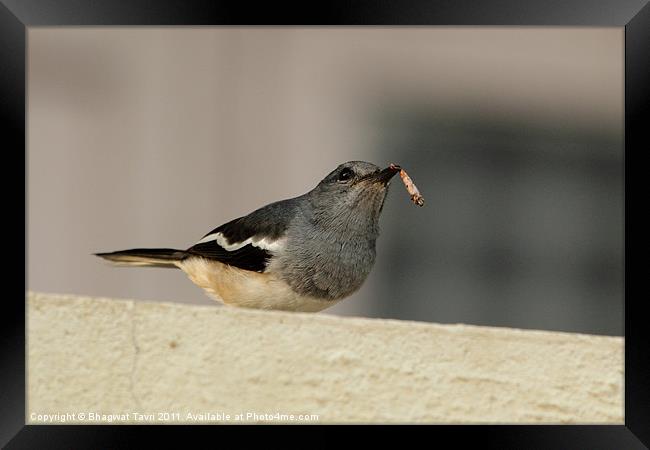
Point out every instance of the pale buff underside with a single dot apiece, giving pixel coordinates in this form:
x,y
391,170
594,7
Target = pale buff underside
x,y
237,287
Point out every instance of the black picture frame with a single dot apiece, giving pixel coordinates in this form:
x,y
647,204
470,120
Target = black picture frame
x,y
634,15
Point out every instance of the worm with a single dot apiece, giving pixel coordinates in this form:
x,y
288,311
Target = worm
x,y
413,191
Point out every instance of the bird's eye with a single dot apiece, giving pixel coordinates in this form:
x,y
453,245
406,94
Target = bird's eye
x,y
345,174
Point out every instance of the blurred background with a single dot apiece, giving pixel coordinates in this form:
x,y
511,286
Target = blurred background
x,y
151,137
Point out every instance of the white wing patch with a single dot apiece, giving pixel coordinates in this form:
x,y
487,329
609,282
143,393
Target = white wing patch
x,y
264,243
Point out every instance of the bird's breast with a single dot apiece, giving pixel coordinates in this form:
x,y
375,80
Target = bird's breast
x,y
325,266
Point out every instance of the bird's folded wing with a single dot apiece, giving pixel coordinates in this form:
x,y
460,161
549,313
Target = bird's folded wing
x,y
247,257
247,243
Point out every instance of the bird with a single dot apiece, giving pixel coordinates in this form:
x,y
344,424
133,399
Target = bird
x,y
302,254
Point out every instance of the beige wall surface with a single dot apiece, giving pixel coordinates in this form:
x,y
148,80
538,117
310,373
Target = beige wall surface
x,y
151,137
100,360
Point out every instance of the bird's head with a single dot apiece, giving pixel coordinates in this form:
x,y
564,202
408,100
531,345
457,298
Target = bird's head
x,y
353,193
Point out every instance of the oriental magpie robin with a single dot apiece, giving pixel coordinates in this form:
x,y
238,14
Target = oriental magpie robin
x,y
301,254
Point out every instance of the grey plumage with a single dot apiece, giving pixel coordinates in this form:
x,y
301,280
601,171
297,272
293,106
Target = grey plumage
x,y
320,244
331,240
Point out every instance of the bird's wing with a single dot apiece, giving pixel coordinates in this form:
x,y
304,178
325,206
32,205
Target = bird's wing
x,y
248,242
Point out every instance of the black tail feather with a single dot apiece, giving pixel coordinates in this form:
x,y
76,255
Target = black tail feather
x,y
145,257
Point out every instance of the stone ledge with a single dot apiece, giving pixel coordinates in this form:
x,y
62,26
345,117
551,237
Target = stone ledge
x,y
120,357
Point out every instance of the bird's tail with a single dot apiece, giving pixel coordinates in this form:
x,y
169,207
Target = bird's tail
x,y
145,257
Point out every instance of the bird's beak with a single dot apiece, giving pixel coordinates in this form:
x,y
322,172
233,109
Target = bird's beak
x,y
384,176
